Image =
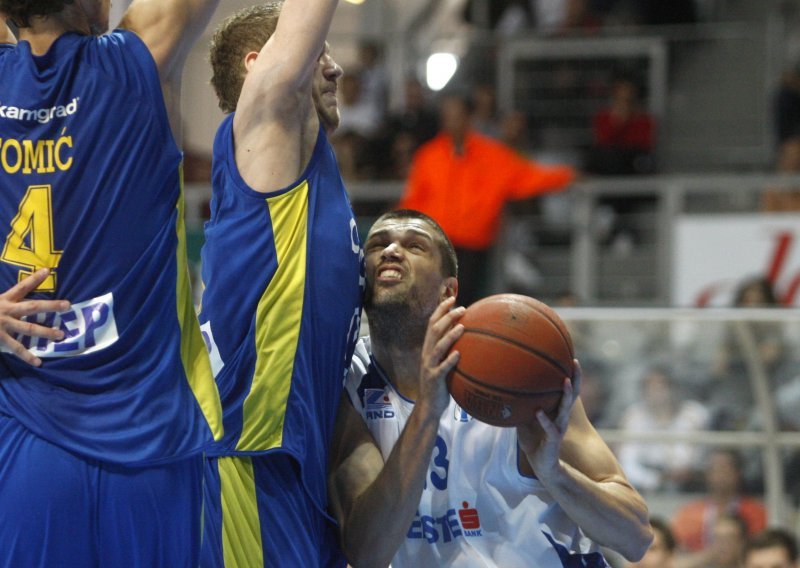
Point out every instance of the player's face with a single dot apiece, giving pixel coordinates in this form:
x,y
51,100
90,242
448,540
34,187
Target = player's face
x,y
774,557
404,265
326,79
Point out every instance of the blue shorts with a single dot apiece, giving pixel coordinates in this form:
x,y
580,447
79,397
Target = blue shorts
x,y
58,509
257,513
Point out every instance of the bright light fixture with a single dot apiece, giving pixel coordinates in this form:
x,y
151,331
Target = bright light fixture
x,y
355,1
440,69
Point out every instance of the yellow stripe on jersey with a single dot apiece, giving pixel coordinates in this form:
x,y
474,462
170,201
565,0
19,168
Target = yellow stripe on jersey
x,y
241,529
194,354
278,318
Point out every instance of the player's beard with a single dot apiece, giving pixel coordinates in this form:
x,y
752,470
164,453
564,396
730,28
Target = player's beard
x,y
398,317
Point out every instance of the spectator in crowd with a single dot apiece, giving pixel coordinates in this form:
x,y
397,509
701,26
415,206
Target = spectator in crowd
x,y
405,130
771,548
595,390
514,132
725,548
623,132
503,15
508,17
728,390
463,179
580,17
564,16
401,154
662,549
358,114
623,144
417,115
651,466
660,13
754,292
692,524
372,72
785,198
786,106
358,127
485,118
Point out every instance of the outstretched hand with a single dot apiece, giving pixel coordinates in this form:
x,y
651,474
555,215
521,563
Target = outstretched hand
x,y
13,307
541,440
437,360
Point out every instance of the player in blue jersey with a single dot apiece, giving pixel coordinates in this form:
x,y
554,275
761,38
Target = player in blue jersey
x,y
103,420
282,268
416,481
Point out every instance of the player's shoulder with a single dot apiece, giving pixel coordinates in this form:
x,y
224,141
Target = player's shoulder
x,y
118,41
121,56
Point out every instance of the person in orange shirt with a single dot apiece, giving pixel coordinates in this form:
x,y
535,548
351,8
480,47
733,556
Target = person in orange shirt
x,y
463,179
693,523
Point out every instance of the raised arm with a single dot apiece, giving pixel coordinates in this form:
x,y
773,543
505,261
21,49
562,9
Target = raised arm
x,y
375,503
276,123
5,32
169,28
581,473
285,65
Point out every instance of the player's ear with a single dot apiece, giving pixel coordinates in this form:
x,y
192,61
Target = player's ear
x,y
250,59
450,287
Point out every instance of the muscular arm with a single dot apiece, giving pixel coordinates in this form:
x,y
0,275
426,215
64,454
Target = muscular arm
x,y
584,477
375,502
169,28
276,124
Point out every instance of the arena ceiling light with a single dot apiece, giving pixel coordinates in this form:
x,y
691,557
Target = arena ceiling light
x,y
355,1
440,69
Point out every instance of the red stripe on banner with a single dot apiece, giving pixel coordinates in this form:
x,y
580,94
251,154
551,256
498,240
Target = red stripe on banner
x,y
779,258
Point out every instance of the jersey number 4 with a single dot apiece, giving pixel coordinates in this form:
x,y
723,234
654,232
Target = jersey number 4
x,y
30,244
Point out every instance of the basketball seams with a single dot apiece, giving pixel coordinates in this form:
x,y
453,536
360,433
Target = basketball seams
x,y
551,316
505,390
541,354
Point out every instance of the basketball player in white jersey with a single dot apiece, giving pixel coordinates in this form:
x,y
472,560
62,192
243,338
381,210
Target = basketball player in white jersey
x,y
415,481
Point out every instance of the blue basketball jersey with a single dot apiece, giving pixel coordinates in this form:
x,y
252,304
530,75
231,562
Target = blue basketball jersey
x,y
90,186
284,277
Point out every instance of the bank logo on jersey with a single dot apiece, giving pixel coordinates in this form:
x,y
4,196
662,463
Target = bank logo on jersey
x,y
465,522
88,327
377,405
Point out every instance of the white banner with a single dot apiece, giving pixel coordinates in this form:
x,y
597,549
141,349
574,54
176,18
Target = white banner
x,y
714,253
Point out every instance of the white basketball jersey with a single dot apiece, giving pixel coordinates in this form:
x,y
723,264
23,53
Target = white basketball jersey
x,y
477,509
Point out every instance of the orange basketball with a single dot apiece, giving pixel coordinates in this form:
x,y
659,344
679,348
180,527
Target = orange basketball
x,y
515,354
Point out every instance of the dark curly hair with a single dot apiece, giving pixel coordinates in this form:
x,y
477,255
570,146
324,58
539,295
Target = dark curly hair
x,y
21,11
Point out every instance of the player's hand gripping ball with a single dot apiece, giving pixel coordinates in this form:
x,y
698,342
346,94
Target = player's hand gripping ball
x,y
515,354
